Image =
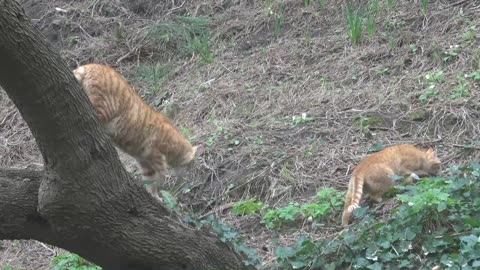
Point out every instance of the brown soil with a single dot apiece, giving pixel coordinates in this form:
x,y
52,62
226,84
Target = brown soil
x,y
242,103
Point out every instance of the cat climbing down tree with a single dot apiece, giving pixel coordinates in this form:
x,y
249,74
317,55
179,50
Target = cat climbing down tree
x,y
135,127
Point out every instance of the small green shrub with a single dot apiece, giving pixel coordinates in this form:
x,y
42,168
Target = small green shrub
x,y
370,24
227,235
424,6
155,75
327,201
451,53
185,35
275,10
430,80
69,261
247,207
462,89
470,34
389,4
276,217
301,119
221,132
364,124
474,75
354,23
413,48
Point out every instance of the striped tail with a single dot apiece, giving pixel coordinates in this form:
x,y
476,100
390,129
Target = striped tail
x,y
352,200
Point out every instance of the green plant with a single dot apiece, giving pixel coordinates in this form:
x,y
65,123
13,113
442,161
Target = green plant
x,y
370,24
259,140
221,133
392,42
474,75
276,11
302,119
278,19
324,81
451,53
436,223
185,35
375,147
70,261
354,23
374,7
154,74
227,235
389,4
276,217
413,48
170,202
327,200
424,6
321,3
7,267
187,132
470,34
247,207
462,89
383,71
471,146
476,58
431,79
313,147
364,123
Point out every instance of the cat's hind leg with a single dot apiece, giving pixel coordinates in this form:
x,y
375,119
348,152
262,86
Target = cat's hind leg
x,y
149,177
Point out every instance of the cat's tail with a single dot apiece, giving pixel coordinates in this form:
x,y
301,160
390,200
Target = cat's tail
x,y
352,200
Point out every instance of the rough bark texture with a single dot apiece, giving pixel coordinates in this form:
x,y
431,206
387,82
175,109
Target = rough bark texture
x,y
84,201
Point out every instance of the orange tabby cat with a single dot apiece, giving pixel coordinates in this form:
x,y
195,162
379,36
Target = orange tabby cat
x,y
372,175
135,127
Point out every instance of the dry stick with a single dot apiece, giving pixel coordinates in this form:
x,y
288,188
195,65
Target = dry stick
x,y
456,3
220,209
174,8
46,247
465,146
7,116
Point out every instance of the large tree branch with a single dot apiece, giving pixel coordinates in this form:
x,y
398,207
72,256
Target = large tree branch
x,y
18,211
86,198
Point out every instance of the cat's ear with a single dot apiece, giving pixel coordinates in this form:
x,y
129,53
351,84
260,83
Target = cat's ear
x,y
198,150
431,153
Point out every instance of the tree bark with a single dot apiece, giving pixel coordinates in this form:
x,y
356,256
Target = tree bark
x,y
84,201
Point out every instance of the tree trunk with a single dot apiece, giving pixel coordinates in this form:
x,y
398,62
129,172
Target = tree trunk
x,y
84,201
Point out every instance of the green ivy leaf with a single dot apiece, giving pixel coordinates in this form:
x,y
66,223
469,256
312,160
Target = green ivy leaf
x,y
284,252
441,206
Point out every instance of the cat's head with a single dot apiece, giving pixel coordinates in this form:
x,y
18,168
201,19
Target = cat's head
x,y
189,159
433,163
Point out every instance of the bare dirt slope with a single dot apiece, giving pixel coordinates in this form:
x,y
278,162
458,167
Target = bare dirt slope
x,y
246,104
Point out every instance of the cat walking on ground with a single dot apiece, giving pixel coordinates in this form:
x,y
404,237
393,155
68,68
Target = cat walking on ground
x,y
135,127
372,176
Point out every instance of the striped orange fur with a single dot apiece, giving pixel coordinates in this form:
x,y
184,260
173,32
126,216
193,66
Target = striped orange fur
x,y
372,175
135,127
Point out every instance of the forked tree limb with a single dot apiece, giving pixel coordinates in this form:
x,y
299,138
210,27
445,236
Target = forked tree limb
x,y
19,218
85,201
